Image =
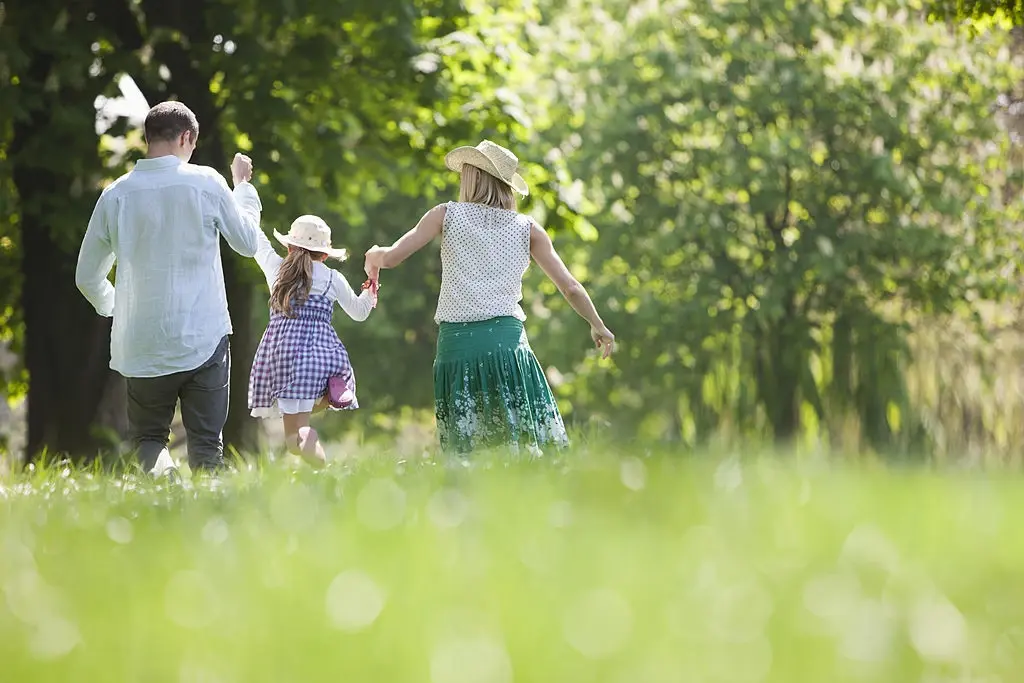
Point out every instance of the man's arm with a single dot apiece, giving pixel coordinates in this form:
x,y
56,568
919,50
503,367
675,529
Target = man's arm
x,y
96,258
238,213
239,216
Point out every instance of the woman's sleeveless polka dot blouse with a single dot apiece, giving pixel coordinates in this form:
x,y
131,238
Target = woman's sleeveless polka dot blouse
x,y
484,253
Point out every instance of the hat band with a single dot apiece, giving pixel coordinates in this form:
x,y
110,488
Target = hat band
x,y
311,240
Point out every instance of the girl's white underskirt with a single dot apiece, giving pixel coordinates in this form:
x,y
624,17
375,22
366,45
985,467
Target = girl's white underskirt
x,y
287,406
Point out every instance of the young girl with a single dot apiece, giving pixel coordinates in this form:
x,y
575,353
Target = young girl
x,y
300,352
489,388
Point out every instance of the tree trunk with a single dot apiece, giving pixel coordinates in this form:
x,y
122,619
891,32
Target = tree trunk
x,y
76,404
241,430
777,369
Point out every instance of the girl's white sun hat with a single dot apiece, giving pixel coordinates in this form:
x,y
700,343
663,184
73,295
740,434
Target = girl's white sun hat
x,y
312,233
490,157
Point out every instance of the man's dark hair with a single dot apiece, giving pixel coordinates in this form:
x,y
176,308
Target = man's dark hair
x,y
167,120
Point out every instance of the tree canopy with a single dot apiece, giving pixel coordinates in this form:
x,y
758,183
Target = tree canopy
x,y
765,202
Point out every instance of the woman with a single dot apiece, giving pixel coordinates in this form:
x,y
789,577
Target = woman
x,y
489,388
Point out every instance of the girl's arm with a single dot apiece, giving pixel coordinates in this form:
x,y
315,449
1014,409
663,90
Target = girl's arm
x,y
267,259
356,307
543,252
408,244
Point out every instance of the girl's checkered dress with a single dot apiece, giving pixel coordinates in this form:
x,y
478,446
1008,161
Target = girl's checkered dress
x,y
298,355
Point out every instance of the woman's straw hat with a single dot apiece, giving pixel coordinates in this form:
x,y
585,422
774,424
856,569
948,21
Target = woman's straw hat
x,y
495,159
312,233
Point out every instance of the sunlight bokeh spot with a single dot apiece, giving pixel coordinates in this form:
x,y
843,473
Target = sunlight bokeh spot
x,y
560,514
868,632
447,508
749,662
191,600
381,504
540,552
215,531
1009,647
54,638
598,624
729,475
354,601
119,530
633,474
29,598
293,507
740,611
867,546
832,597
938,631
472,659
15,556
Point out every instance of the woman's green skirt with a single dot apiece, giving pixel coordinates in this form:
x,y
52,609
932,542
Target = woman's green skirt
x,y
489,389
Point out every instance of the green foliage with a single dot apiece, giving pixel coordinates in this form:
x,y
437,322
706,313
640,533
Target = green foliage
x,y
977,10
336,103
341,121
11,325
459,89
47,121
763,202
778,191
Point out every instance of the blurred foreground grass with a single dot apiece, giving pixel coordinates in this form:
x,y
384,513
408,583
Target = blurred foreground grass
x,y
596,567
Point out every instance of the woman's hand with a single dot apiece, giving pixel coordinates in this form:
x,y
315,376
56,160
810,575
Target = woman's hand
x,y
603,338
374,261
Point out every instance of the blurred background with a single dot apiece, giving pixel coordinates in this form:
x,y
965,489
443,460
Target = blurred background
x,y
801,219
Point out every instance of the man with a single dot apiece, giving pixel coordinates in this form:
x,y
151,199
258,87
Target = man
x,y
161,223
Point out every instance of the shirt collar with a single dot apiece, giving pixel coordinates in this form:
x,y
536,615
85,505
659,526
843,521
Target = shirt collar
x,y
168,161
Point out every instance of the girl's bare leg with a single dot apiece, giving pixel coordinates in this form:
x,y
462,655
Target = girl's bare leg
x,y
321,405
303,440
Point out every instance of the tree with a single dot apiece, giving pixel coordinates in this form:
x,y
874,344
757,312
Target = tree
x,y
313,96
777,193
340,107
52,163
961,10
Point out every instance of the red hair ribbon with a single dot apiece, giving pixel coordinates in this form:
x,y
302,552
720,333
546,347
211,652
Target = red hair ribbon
x,y
373,285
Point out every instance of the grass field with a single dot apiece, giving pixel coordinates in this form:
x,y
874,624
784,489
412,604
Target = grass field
x,y
632,569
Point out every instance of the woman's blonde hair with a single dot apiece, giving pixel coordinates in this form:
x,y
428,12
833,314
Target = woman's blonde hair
x,y
294,280
480,187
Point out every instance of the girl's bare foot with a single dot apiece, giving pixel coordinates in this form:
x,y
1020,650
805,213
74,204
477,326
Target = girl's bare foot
x,y
310,448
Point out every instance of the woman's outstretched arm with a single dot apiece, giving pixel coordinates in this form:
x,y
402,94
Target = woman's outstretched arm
x,y
543,252
408,244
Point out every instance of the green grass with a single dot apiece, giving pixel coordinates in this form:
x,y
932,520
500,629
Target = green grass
x,y
593,568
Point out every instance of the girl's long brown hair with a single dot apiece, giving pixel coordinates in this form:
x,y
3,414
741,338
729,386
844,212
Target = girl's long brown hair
x,y
294,280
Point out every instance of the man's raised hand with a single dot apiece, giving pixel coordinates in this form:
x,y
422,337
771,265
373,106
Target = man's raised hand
x,y
241,169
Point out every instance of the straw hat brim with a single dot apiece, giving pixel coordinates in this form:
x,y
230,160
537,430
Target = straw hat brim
x,y
338,254
460,156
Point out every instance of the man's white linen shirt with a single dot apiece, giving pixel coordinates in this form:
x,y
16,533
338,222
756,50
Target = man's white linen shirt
x,y
161,223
